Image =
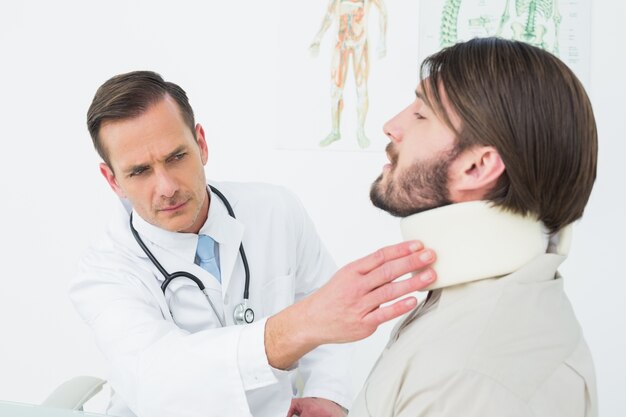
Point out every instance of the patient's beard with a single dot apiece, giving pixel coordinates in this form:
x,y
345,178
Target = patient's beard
x,y
421,187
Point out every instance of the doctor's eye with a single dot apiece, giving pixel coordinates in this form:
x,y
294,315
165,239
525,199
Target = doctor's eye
x,y
137,171
177,157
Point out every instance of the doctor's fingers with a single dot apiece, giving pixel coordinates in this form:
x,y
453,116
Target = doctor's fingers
x,y
394,290
381,315
395,268
384,255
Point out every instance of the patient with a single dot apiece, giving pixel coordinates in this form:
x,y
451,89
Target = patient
x,y
489,166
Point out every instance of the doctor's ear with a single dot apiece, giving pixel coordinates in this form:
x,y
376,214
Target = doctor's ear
x,y
109,175
201,139
474,173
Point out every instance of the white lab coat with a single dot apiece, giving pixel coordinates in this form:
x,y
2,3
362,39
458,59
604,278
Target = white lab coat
x,y
183,363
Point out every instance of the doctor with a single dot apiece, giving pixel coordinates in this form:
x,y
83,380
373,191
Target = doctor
x,y
172,344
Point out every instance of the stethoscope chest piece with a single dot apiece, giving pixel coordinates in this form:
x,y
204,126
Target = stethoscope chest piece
x,y
243,314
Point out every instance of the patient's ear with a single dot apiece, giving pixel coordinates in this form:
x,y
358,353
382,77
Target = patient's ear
x,y
474,173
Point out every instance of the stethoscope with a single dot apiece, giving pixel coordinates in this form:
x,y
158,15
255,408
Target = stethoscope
x,y
242,313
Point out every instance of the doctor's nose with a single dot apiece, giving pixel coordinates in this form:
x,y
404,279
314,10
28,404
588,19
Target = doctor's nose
x,y
166,185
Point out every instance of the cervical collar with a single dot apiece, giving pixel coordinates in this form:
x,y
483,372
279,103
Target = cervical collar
x,y
474,241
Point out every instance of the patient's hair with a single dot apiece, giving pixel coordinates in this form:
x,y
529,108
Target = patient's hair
x,y
530,106
129,95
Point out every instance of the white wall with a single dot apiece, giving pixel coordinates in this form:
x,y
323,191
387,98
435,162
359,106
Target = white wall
x,y
54,54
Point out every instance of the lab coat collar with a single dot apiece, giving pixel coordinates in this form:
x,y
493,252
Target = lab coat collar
x,y
183,245
220,226
475,241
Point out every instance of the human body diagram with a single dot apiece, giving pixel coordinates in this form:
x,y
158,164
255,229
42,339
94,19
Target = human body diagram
x,y
351,46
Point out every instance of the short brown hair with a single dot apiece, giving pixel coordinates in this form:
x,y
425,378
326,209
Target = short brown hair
x,y
129,95
530,106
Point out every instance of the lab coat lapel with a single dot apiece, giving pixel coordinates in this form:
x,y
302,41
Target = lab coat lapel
x,y
229,239
228,233
175,252
152,278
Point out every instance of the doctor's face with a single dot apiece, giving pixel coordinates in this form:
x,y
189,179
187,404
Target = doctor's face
x,y
420,154
157,164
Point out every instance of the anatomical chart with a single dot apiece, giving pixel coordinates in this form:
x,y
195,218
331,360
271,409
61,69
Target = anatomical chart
x,y
351,49
561,27
337,77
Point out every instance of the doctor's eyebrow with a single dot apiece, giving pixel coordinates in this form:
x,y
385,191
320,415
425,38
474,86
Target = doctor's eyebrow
x,y
175,152
136,169
142,167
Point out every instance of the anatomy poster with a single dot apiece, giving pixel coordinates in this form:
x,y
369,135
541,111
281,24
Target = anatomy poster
x,y
559,26
345,67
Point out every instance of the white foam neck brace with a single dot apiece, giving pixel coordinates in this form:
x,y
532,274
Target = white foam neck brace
x,y
474,241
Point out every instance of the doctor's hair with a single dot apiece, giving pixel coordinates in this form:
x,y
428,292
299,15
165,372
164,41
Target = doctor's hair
x,y
129,95
530,106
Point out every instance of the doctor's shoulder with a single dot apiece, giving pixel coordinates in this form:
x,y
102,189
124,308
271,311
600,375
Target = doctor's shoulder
x,y
109,264
105,275
263,199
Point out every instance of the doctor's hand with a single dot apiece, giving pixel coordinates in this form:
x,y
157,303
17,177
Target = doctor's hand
x,y
314,407
350,306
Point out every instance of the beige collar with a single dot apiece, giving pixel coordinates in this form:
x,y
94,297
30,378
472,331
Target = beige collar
x,y
474,241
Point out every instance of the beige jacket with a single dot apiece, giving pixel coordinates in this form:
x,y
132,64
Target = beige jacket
x,y
508,346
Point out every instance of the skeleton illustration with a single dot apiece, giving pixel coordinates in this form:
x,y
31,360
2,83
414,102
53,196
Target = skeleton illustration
x,y
530,23
482,21
527,28
449,23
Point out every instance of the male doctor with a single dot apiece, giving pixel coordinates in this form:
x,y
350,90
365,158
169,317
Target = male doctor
x,y
172,350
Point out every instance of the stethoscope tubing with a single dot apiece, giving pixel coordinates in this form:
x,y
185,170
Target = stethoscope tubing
x,y
184,274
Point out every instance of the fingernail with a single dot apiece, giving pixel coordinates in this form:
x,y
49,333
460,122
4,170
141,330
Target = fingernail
x,y
426,256
426,276
415,246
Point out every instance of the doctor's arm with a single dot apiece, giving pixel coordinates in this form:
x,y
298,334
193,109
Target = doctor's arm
x,y
350,306
157,368
325,371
